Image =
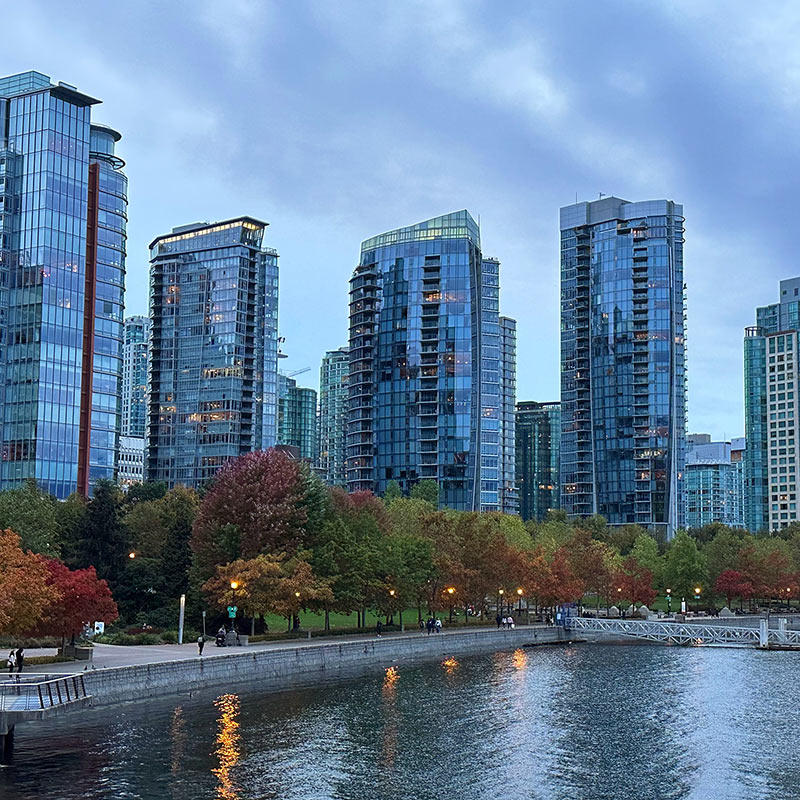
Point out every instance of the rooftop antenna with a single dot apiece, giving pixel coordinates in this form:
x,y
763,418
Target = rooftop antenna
x,y
600,195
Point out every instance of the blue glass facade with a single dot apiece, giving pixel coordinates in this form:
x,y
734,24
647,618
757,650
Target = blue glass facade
x,y
135,357
425,364
623,378
62,250
714,482
771,372
213,355
332,426
509,495
538,441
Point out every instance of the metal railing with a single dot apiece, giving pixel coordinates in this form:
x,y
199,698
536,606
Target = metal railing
x,y
37,692
690,633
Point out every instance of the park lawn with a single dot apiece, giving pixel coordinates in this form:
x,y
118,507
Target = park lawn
x,y
313,621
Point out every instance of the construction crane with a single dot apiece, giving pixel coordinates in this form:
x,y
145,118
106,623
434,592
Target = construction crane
x,y
296,372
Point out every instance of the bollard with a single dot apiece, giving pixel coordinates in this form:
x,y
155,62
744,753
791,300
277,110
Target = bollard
x,y
782,630
763,633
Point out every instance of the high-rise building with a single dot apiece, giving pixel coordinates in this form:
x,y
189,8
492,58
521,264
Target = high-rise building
x,y
771,373
131,461
297,417
509,496
425,364
714,482
538,439
332,424
623,377
135,349
63,204
214,349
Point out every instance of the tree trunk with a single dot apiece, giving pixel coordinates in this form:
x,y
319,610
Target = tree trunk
x,y
289,624
252,626
327,620
419,611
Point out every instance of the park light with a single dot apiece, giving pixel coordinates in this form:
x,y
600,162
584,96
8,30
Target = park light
x,y
619,588
697,590
297,594
450,589
669,591
501,591
519,591
234,585
131,554
391,592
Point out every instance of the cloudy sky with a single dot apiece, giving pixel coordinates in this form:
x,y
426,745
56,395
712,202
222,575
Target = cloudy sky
x,y
335,121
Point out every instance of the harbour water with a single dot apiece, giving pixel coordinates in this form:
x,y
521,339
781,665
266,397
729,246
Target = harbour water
x,y
593,721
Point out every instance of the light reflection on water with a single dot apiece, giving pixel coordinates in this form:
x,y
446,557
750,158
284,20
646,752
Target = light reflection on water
x,y
600,722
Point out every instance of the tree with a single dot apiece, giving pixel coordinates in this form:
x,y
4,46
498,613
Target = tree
x,y
733,583
684,567
102,541
645,552
177,510
257,582
299,588
24,589
31,513
256,505
427,490
145,492
636,582
393,492
80,598
722,551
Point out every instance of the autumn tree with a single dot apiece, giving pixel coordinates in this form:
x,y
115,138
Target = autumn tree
x,y
732,583
25,593
636,582
254,506
80,598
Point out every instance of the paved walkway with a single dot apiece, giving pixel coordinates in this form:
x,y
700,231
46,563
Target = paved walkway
x,y
107,655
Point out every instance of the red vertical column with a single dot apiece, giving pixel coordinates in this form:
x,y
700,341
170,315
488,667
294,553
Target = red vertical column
x,y
87,371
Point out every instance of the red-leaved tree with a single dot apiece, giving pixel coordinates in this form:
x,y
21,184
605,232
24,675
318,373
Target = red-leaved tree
x,y
733,583
255,506
81,598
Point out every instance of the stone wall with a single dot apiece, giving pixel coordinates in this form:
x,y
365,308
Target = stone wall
x,y
306,664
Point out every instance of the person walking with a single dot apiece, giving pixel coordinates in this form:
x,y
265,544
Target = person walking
x,y
11,662
20,659
201,643
429,625
499,621
438,625
379,628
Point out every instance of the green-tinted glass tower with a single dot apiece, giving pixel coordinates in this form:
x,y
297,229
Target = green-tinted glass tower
x,y
297,417
538,439
332,425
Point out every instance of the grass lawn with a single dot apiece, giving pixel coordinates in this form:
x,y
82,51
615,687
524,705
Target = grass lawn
x,y
313,621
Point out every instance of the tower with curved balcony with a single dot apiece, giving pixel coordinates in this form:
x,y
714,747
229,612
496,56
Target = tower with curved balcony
x,y
426,382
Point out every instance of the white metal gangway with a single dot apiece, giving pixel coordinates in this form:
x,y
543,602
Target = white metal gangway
x,y
690,633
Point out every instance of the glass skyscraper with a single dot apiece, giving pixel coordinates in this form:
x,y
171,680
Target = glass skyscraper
x,y
214,349
509,496
135,355
623,376
771,373
332,423
63,212
297,417
538,440
714,482
426,356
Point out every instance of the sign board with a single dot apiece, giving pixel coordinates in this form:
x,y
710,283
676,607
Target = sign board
x,y
99,627
232,611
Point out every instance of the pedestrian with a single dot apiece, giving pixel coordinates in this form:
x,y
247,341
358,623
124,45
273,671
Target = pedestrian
x,y
438,625
511,623
11,661
201,643
421,626
499,621
429,625
379,628
505,622
20,659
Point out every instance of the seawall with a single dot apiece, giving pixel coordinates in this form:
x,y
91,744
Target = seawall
x,y
301,665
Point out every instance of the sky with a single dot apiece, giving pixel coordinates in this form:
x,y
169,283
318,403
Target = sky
x,y
336,121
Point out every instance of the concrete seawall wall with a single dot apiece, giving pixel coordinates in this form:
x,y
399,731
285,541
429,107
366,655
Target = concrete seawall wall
x,y
301,665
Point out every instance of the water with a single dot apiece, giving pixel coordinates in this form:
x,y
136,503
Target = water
x,y
592,721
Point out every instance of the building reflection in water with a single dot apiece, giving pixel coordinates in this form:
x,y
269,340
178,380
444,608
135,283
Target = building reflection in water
x,y
227,752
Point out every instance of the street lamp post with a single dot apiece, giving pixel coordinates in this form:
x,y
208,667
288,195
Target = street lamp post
x,y
697,599
234,587
451,591
669,601
519,606
500,601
